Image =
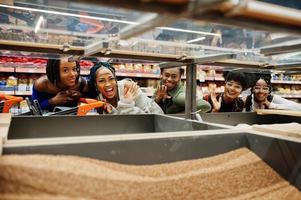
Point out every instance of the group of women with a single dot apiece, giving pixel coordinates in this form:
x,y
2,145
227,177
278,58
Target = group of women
x,y
63,86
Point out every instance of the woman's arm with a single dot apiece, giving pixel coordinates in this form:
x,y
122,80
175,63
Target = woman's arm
x,y
201,105
284,104
134,101
39,93
48,97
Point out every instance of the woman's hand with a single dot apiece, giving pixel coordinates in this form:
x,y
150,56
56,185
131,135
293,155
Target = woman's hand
x,y
108,108
161,94
74,94
61,98
131,92
265,104
216,103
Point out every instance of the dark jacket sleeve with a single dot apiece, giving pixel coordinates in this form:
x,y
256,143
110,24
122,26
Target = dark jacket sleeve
x,y
43,99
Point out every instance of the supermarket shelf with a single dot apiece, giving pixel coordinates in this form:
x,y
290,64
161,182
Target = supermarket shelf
x,y
84,72
139,75
212,78
219,78
7,69
40,70
127,74
19,93
8,92
292,96
23,93
285,82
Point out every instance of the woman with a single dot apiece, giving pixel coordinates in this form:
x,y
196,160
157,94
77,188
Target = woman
x,y
261,97
62,85
125,96
229,100
170,95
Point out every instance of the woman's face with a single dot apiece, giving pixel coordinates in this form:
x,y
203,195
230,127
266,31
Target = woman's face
x,y
171,78
68,73
261,90
232,89
106,83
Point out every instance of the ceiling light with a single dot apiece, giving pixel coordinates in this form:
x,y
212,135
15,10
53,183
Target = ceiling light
x,y
196,40
67,14
105,19
38,25
189,31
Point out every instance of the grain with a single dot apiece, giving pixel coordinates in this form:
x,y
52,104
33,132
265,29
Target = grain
x,y
238,174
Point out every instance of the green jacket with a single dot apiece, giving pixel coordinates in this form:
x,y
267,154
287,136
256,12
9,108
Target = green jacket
x,y
176,104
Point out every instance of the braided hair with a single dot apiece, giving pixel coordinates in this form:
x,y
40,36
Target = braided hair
x,y
53,70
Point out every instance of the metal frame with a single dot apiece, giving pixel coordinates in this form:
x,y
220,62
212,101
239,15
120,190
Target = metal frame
x,y
281,49
245,13
190,103
287,66
282,153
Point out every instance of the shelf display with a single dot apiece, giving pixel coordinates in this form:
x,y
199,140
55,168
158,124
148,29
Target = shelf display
x,y
76,29
287,86
64,28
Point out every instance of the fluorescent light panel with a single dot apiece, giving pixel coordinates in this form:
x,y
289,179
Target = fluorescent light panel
x,y
104,19
196,40
38,25
188,31
67,14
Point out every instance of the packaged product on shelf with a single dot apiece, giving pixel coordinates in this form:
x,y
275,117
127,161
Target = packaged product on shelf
x,y
3,81
211,73
201,75
219,76
85,65
155,69
23,81
129,67
11,83
138,68
147,68
23,107
40,63
120,67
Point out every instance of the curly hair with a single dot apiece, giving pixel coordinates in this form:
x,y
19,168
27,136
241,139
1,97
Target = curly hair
x,y
238,77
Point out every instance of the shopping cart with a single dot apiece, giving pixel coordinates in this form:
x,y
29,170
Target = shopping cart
x,y
81,110
7,101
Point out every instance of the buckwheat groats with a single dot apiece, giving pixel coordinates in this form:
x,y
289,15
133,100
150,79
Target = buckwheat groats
x,y
238,174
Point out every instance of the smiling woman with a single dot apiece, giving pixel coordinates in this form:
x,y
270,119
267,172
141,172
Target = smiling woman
x,y
229,101
261,97
62,85
124,97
